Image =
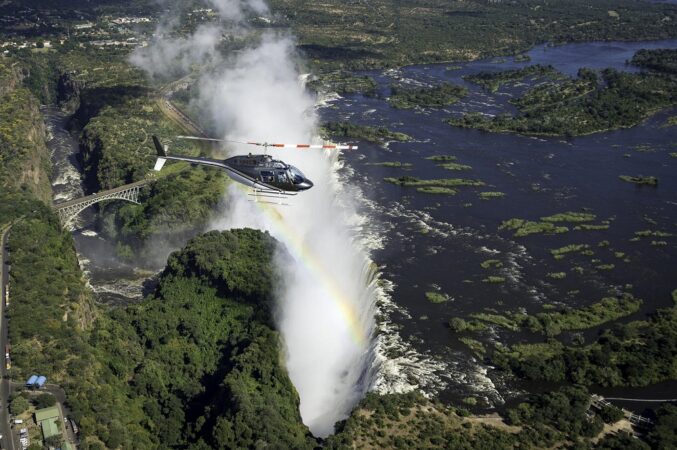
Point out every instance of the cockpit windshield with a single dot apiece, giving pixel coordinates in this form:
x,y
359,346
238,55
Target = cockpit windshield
x,y
296,175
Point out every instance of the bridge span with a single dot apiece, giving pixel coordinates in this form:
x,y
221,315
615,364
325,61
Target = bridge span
x,y
69,210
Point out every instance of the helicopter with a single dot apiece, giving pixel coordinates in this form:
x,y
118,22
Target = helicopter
x,y
262,173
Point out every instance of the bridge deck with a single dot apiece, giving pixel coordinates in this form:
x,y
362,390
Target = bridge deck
x,y
77,201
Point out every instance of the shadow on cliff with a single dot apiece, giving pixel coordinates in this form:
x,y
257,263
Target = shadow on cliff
x,y
95,99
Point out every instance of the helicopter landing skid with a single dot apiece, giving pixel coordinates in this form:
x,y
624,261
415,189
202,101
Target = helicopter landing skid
x,y
262,196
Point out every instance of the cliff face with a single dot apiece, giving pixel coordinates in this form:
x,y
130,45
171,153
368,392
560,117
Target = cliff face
x,y
68,90
24,157
10,77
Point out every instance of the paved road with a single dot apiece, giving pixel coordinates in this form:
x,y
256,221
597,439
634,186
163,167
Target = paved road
x,y
5,429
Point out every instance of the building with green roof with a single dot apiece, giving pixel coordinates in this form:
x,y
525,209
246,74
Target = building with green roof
x,y
48,419
47,413
49,428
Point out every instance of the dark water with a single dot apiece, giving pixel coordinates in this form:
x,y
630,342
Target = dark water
x,y
437,242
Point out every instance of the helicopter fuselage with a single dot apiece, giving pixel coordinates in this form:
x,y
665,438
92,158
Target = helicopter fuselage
x,y
270,171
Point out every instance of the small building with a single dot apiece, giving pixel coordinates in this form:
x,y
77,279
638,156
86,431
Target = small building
x,y
40,382
48,419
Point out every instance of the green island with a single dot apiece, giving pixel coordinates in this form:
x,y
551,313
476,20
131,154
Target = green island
x,y
455,166
436,297
408,181
547,225
492,81
392,164
628,354
649,181
343,83
491,263
436,190
582,105
443,186
426,97
659,60
552,323
556,275
355,131
523,227
441,158
491,194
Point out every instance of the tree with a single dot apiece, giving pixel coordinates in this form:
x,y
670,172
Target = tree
x,y
611,414
45,400
18,405
54,441
621,441
664,433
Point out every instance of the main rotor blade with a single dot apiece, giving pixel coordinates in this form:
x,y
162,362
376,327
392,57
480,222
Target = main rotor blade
x,y
199,138
265,144
304,146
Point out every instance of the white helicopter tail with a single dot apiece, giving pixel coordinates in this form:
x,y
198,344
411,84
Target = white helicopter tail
x,y
161,152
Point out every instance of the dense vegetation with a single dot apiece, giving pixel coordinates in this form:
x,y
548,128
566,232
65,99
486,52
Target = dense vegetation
x,y
582,105
637,353
426,97
557,419
116,142
196,365
343,83
660,60
552,323
199,359
24,159
174,205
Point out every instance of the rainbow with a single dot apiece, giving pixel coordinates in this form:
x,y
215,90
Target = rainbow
x,y
303,253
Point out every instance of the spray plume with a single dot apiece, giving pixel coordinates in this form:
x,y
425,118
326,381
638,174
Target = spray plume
x,y
325,305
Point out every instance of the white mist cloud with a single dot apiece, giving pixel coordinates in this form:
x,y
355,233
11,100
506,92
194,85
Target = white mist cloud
x,y
258,96
166,57
325,305
235,9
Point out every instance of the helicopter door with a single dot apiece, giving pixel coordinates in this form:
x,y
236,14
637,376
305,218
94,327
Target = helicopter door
x,y
281,176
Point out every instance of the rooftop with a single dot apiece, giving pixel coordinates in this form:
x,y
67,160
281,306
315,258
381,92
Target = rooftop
x,y
49,428
46,413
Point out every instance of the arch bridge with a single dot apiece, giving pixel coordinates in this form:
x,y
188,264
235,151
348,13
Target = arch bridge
x,y
69,210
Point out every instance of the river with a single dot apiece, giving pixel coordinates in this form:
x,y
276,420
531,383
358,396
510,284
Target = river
x,y
437,243
434,243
